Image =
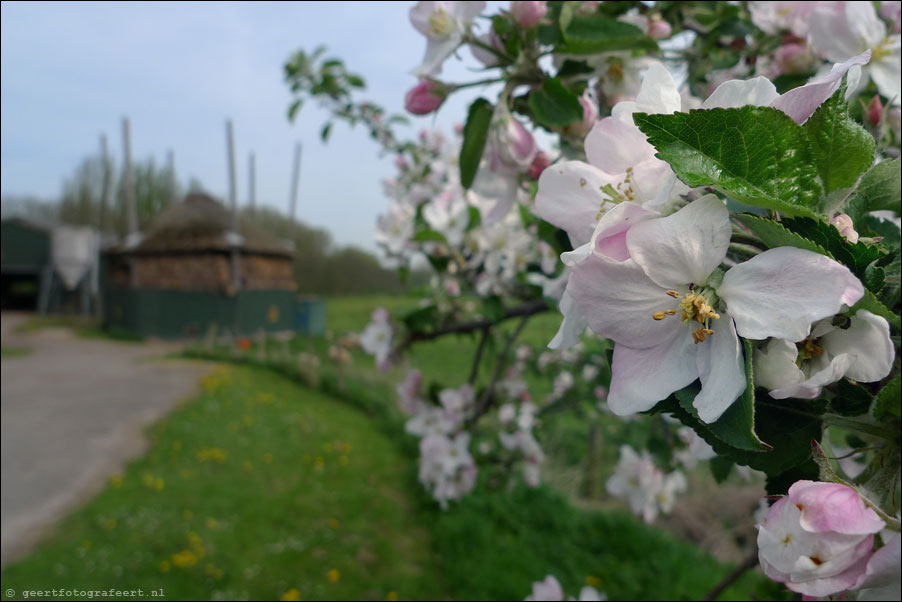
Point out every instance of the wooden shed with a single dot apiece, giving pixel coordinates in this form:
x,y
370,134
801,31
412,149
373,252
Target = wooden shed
x,y
191,270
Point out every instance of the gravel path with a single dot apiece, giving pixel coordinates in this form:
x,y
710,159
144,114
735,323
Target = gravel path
x,y
73,413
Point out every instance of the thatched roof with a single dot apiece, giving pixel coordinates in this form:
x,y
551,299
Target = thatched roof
x,y
200,223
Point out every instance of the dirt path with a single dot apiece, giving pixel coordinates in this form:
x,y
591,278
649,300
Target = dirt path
x,y
73,413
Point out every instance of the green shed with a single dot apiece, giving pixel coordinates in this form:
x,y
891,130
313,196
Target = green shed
x,y
24,259
190,272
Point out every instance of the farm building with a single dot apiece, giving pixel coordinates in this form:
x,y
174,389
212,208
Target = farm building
x,y
48,268
191,271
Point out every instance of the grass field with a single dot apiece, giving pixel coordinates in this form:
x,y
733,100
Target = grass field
x,y
259,488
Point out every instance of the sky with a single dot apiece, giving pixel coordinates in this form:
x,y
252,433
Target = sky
x,y
71,71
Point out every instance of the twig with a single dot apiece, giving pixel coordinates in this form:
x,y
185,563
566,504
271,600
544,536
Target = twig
x,y
528,309
474,371
749,563
488,397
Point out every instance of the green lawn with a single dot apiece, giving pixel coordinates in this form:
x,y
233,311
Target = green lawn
x,y
259,488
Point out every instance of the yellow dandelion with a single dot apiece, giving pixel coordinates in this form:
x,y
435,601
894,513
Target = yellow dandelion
x,y
184,559
116,481
333,523
267,457
247,466
319,464
333,575
165,566
392,597
292,594
212,523
158,484
110,524
187,514
593,581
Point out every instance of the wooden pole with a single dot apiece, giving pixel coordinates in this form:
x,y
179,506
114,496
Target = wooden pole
x,y
128,190
252,181
295,176
233,198
107,187
170,173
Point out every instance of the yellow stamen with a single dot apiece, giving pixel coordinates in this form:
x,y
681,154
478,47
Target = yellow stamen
x,y
659,315
670,312
674,294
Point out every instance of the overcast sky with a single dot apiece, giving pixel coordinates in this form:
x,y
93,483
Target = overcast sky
x,y
70,71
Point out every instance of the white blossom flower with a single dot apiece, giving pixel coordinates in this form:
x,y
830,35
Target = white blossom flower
x,y
444,23
863,351
671,280
840,30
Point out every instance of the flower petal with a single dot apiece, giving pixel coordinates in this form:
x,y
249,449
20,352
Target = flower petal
x,y
721,368
685,247
867,341
643,377
775,365
824,374
618,301
609,238
613,146
571,327
570,197
801,103
733,94
780,292
886,72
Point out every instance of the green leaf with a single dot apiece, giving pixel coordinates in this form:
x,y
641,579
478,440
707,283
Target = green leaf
x,y
774,235
851,399
736,427
873,305
493,308
874,278
756,155
294,108
476,132
474,218
592,34
880,189
891,293
872,226
843,149
889,400
324,133
553,105
572,67
422,319
857,257
429,235
720,468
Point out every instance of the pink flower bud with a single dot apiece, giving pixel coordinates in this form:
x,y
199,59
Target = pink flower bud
x,y
793,58
400,162
529,13
424,98
875,110
538,165
843,223
512,146
590,114
658,29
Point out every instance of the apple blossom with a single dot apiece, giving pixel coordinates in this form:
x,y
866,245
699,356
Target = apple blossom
x,y
444,23
793,58
424,98
548,590
645,487
376,338
818,539
590,115
840,30
777,293
881,579
862,351
777,17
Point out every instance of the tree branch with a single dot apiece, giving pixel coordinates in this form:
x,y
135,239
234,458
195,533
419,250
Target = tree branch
x,y
749,563
488,397
528,309
474,371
